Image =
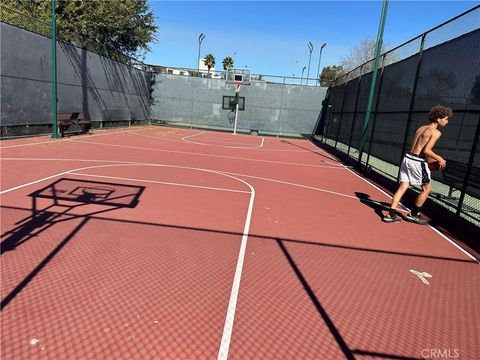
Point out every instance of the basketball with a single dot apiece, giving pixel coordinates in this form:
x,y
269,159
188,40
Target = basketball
x,y
433,164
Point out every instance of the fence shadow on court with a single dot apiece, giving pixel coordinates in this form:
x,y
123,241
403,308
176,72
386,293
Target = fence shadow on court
x,y
327,319
310,150
115,196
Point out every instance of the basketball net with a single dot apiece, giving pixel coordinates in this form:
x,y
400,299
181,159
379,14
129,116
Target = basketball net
x,y
237,86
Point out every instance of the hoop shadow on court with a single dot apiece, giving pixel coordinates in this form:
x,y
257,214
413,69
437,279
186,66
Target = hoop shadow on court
x,y
377,206
62,201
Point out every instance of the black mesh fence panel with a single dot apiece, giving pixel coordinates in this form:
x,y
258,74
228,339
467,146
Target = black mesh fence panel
x,y
449,74
335,100
350,96
389,136
345,128
397,85
441,66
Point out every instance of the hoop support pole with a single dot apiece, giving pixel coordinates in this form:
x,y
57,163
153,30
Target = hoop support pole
x,y
237,92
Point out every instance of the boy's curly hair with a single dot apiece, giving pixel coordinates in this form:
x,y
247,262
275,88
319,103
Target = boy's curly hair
x,y
439,112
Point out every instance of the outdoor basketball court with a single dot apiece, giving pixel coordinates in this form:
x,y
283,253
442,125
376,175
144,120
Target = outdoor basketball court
x,y
168,243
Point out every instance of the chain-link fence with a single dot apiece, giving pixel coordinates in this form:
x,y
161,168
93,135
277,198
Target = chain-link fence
x,y
109,88
441,66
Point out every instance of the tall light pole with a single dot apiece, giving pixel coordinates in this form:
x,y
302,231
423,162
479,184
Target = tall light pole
x,y
310,49
301,79
200,39
378,49
319,60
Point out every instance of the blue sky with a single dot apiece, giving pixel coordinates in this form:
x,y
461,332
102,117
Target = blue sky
x,y
270,37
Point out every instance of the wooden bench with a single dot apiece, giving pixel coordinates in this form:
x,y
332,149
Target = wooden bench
x,y
66,119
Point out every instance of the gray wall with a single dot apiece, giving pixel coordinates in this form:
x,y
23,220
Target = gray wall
x,y
103,89
106,90
270,108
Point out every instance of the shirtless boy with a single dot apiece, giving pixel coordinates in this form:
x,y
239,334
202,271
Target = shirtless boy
x,y
414,169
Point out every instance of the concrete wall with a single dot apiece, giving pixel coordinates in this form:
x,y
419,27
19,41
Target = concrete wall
x,y
269,108
106,90
102,88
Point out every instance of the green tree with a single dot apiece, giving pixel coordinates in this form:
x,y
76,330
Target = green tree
x,y
329,73
23,17
126,26
209,61
227,63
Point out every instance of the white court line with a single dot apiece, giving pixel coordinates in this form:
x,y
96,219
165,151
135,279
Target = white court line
x,y
232,303
59,140
210,155
160,182
326,153
154,137
189,136
31,144
216,171
430,226
32,182
231,142
408,210
305,187
116,163
245,148
224,141
253,177
223,146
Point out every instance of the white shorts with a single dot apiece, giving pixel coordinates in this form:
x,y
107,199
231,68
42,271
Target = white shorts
x,y
414,170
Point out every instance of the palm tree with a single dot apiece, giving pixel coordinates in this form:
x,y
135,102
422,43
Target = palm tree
x,y
209,61
227,63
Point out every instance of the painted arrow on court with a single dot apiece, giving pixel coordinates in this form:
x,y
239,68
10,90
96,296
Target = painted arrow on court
x,y
422,276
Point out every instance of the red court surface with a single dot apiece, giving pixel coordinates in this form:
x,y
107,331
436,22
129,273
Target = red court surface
x,y
167,243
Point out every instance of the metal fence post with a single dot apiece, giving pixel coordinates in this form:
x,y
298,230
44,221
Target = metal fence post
x,y
54,70
378,48
412,101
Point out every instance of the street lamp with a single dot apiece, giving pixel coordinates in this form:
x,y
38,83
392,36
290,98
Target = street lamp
x,y
200,39
320,59
301,79
310,49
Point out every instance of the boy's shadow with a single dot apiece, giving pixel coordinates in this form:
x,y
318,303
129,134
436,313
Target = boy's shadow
x,y
377,206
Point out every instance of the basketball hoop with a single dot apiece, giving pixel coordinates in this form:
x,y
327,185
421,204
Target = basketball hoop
x,y
236,77
237,86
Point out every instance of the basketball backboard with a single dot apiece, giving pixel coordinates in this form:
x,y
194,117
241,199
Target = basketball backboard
x,y
238,76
